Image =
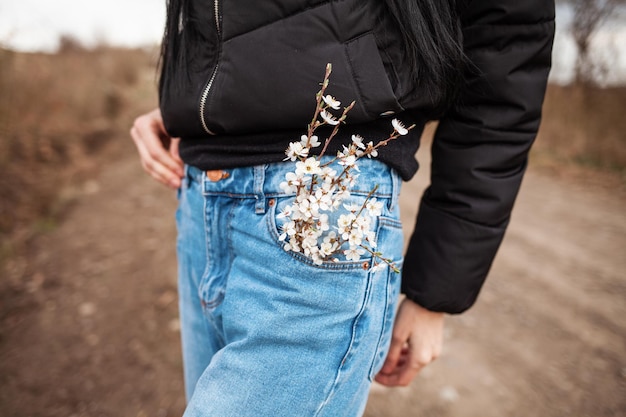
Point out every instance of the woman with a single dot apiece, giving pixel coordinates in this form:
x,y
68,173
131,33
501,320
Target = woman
x,y
267,332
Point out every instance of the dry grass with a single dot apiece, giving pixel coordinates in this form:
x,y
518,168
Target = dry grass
x,y
57,114
584,125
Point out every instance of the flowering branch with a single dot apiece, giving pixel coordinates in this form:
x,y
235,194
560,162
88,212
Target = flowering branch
x,y
319,189
336,129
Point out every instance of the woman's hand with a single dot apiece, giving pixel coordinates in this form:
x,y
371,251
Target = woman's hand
x,y
157,150
416,341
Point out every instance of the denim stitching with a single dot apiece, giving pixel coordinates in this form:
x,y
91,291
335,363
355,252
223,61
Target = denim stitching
x,y
346,356
207,241
388,221
231,247
384,222
278,194
384,326
381,226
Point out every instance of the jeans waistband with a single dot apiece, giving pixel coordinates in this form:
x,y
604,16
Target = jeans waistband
x,y
263,181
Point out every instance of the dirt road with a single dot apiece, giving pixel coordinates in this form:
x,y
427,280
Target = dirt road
x,y
89,328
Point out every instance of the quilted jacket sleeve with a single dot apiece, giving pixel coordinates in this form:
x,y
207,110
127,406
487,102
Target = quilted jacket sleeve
x,y
480,151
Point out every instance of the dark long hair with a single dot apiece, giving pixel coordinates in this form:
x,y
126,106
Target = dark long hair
x,y
183,36
430,30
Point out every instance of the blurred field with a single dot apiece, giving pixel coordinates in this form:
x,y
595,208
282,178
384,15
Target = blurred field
x,y
88,311
584,125
58,114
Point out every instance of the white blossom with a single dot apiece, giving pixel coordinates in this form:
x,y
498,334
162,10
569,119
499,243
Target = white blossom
x,y
344,225
290,186
329,118
331,102
292,246
352,207
371,151
307,209
346,220
358,141
313,143
354,253
310,166
296,150
399,127
327,248
363,223
330,237
340,195
348,160
288,229
324,199
322,223
296,214
317,258
329,175
286,212
314,203
355,237
378,266
374,207
309,243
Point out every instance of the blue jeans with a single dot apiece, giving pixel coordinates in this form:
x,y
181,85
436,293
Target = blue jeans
x,y
265,332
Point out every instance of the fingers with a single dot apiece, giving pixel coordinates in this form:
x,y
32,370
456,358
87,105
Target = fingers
x,y
409,363
152,143
152,165
398,345
416,342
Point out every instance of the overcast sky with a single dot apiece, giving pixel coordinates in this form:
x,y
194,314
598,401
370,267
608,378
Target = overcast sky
x,y
35,25
30,25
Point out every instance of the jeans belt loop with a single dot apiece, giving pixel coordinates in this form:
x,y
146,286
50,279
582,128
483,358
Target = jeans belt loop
x,y
259,180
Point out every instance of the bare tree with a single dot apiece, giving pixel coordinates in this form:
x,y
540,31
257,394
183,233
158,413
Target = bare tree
x,y
589,15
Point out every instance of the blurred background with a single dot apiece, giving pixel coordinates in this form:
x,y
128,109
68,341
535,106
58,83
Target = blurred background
x,y
88,314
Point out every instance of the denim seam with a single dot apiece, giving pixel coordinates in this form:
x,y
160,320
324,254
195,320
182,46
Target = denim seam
x,y
384,326
384,222
278,194
229,225
231,246
217,332
386,322
207,245
229,194
210,304
388,221
346,356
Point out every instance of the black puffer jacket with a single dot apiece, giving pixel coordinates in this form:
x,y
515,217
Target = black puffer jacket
x,y
249,93
264,60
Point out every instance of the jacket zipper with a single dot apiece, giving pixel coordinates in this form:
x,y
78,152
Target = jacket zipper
x,y
207,89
